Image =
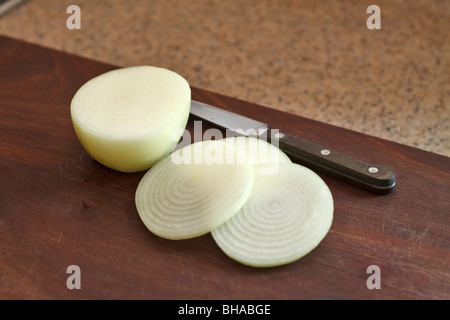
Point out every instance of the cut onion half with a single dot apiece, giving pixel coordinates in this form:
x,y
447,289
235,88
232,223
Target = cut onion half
x,y
286,216
126,119
194,190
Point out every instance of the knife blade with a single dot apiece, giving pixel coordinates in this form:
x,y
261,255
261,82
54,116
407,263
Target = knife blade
x,y
6,5
379,178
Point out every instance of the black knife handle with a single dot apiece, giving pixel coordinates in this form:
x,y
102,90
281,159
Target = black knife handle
x,y
377,178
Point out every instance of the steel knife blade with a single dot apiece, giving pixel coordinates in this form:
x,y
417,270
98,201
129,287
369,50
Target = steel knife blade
x,y
379,178
6,5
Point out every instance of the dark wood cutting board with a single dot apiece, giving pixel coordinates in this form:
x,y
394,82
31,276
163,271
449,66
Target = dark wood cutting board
x,y
58,208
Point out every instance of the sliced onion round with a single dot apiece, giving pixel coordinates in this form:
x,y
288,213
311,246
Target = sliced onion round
x,y
286,216
260,153
126,118
195,190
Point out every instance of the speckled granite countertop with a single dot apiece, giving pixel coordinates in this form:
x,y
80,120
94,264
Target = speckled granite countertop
x,y
313,58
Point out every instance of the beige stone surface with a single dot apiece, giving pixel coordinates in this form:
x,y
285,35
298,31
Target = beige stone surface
x,y
312,58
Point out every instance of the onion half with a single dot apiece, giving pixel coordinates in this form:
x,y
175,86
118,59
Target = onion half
x,y
126,118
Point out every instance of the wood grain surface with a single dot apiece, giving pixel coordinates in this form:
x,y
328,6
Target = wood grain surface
x,y
58,207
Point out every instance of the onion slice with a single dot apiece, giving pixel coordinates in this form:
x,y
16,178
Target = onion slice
x,y
286,216
260,153
194,190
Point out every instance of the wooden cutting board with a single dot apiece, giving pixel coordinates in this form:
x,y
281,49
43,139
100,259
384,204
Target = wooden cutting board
x,y
58,207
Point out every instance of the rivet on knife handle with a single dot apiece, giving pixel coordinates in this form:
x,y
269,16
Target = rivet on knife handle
x,y
378,178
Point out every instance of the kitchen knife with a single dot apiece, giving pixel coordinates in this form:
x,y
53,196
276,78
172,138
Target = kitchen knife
x,y
377,178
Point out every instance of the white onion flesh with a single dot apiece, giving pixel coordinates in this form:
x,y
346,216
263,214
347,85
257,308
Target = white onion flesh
x,y
126,118
263,155
194,190
286,216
